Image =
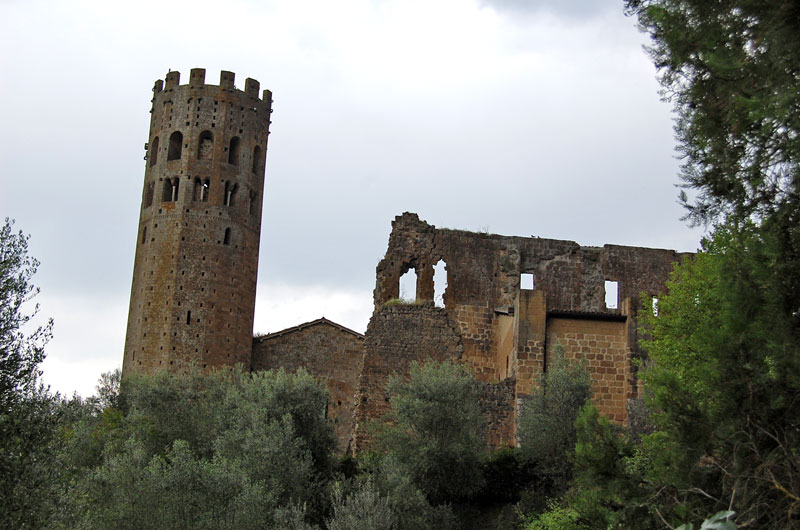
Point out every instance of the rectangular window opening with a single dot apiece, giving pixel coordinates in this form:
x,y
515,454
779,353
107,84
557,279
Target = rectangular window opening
x,y
612,294
526,281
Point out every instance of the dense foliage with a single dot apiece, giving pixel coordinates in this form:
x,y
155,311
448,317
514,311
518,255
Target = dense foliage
x,y
436,430
546,424
221,450
26,413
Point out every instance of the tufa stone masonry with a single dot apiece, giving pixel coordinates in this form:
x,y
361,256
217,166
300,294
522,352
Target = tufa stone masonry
x,y
508,302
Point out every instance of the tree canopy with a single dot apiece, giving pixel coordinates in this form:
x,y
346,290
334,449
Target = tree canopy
x,y
732,70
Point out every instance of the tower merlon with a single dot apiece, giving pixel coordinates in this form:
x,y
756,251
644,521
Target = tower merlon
x,y
226,80
251,87
197,77
172,80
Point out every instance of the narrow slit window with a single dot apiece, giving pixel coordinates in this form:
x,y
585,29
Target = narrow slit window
x,y
526,281
188,317
655,306
227,238
144,235
612,294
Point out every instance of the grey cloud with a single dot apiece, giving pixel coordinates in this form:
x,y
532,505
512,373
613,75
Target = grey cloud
x,y
568,9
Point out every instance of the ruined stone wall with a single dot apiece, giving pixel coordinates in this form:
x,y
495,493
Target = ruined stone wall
x,y
327,351
483,293
602,345
531,339
498,402
194,277
397,335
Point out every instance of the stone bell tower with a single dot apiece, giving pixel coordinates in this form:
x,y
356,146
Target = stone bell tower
x,y
194,275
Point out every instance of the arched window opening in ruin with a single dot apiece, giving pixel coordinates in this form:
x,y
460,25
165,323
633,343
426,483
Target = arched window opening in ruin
x,y
612,294
233,151
408,286
144,235
439,282
153,155
251,205
257,159
205,146
230,193
205,190
227,239
526,281
175,146
148,194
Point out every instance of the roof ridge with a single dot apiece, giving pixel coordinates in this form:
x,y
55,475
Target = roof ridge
x,y
308,324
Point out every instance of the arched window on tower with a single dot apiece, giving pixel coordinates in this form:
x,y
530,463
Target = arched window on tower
x,y
201,188
171,189
230,193
257,159
233,151
175,146
205,146
153,155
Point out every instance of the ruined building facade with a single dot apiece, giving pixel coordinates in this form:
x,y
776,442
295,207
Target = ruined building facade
x,y
508,304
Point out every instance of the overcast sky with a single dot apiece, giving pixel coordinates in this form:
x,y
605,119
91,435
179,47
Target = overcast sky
x,y
520,117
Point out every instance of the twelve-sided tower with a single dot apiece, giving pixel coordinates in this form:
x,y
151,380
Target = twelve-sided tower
x,y
194,276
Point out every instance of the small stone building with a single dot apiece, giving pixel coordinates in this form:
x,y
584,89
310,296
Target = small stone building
x,y
328,351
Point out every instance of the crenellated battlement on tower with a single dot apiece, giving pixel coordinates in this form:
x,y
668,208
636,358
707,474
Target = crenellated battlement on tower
x,y
197,79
